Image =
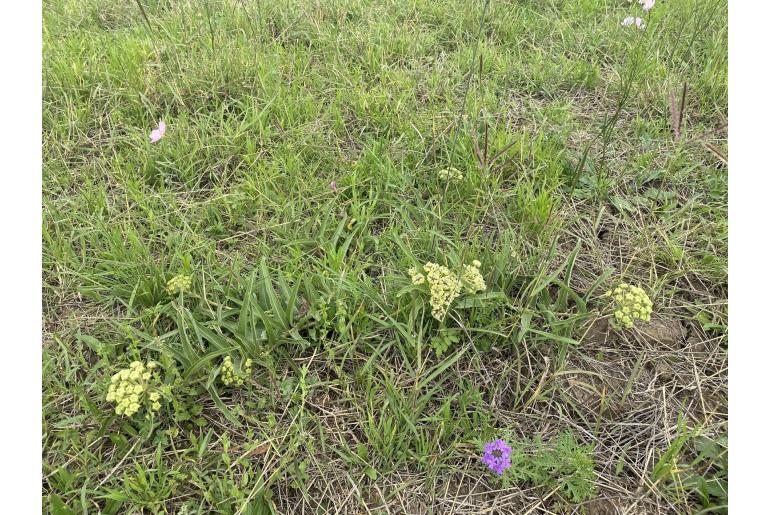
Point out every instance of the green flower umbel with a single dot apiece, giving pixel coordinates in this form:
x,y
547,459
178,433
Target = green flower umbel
x,y
179,283
450,175
228,374
445,285
131,388
473,281
631,303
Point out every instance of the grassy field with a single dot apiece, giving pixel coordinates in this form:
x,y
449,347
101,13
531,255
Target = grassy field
x,y
317,156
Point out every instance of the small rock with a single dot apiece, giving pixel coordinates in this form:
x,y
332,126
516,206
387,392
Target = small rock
x,y
599,333
661,333
601,507
665,372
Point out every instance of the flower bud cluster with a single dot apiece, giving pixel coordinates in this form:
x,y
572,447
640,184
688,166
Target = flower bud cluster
x,y
178,284
450,174
473,281
631,303
131,388
445,285
228,374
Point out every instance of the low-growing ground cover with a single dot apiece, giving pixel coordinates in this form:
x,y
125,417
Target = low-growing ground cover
x,y
385,257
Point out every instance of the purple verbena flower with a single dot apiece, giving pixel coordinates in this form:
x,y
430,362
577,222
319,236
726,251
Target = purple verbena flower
x,y
497,456
333,186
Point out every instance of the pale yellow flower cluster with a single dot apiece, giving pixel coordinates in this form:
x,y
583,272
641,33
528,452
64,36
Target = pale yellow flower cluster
x,y
417,277
450,174
631,303
179,283
444,286
228,374
129,389
472,279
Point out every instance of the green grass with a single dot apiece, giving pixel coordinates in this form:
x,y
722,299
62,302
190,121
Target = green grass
x,y
560,121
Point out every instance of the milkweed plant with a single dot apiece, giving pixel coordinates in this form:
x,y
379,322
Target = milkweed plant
x,y
179,283
445,285
232,377
135,388
450,175
631,304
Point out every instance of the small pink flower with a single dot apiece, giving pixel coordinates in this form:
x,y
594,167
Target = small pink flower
x,y
647,4
633,21
333,186
158,133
